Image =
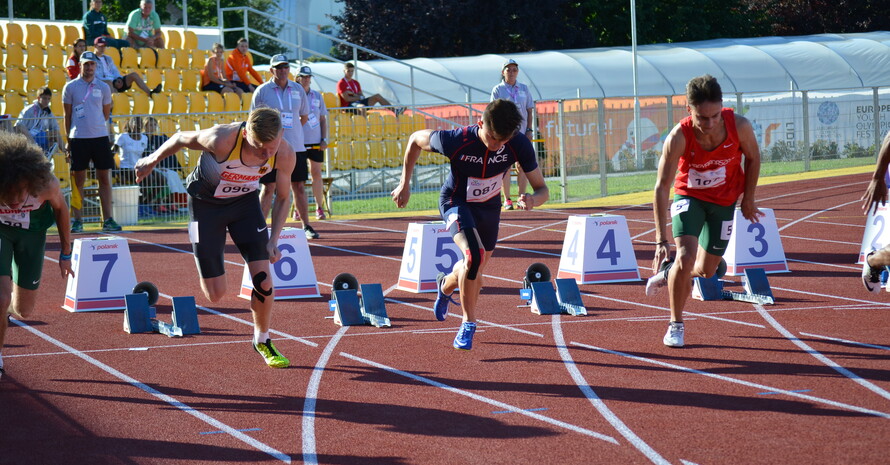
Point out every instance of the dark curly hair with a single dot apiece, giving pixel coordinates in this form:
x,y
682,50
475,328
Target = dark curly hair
x,y
23,167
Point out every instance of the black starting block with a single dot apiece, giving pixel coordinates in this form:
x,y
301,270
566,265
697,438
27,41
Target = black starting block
x,y
540,295
352,309
141,317
755,283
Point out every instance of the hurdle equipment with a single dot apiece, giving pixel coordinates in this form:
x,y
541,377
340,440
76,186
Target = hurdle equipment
x,y
754,245
755,283
103,275
429,250
293,275
544,299
597,249
355,304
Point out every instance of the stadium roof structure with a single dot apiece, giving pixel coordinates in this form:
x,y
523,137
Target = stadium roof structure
x,y
820,62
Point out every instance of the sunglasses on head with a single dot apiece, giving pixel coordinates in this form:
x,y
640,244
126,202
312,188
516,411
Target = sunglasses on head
x,y
282,66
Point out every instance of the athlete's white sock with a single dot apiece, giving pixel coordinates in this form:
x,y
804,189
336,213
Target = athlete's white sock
x,y
260,337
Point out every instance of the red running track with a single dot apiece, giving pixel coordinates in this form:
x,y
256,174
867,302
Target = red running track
x,y
804,381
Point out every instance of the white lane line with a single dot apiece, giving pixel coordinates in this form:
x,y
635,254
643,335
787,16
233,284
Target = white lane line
x,y
822,240
833,265
310,455
758,386
804,218
500,405
819,356
218,425
596,401
846,341
829,296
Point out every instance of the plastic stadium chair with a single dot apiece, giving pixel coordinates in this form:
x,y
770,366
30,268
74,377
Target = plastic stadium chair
x,y
390,127
70,33
160,104
55,56
359,127
172,79
36,79
120,104
361,155
13,104
246,99
331,100
114,54
190,40
172,39
197,103
13,33
33,34
215,103
179,103
52,35
342,156
165,58
15,81
232,101
181,59
376,158
55,104
15,56
393,154
191,80
342,128
35,56
57,78
141,103
129,60
147,58
375,126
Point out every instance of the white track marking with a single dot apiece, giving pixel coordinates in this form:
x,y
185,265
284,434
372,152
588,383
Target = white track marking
x,y
595,400
760,387
161,396
500,405
830,241
818,356
804,218
310,455
846,341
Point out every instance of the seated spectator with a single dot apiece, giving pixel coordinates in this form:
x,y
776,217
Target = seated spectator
x,y
73,65
350,92
144,26
130,145
171,191
213,76
96,25
107,71
40,125
239,67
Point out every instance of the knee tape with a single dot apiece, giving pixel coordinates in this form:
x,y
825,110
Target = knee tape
x,y
475,254
258,290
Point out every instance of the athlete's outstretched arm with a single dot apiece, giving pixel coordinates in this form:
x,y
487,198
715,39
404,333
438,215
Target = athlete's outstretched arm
x,y
418,141
876,192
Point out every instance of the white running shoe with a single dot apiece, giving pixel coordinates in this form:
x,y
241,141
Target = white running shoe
x,y
871,277
660,279
674,335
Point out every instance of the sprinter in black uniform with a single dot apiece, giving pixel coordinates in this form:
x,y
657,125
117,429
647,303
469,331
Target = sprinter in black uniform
x,y
223,195
470,201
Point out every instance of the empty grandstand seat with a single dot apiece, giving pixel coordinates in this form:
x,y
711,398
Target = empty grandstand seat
x,y
181,59
166,125
376,158
55,56
33,34
392,153
375,125
147,58
342,127
15,81
35,56
232,101
191,80
361,155
198,58
114,54
197,102
57,78
52,35
13,33
390,127
165,58
14,56
13,104
153,77
342,156
129,59
246,100
120,103
172,39
55,104
36,79
330,100
189,40
172,78
359,127
70,33
141,103
179,103
406,126
160,103
215,103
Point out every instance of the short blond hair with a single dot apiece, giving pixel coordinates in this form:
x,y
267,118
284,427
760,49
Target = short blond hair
x,y
264,124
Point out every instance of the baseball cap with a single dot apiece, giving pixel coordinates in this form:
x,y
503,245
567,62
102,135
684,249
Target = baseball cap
x,y
508,63
100,40
277,60
88,56
305,71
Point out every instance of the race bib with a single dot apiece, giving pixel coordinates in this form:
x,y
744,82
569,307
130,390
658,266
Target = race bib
x,y
679,206
706,179
15,218
287,119
313,121
80,111
228,189
480,190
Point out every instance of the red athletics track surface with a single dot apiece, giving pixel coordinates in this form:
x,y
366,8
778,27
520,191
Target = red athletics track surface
x,y
805,381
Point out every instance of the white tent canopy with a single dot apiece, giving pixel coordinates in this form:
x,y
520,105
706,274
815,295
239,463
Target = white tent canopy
x,y
764,64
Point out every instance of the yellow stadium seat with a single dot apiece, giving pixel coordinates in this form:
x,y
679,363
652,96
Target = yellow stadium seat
x,y
232,101
33,34
361,155
15,81
160,104
153,77
15,56
331,100
60,168
190,40
147,58
165,58
35,56
179,103
13,104
215,103
390,127
52,35
342,156
171,79
393,154
36,79
359,127
141,103
114,54
375,126
55,56
181,58
376,158
342,127
13,33
197,102
70,33
191,80
406,126
120,103
166,125
2,56
172,39
199,58
55,104
2,43
188,124
418,122
129,59
207,122
57,78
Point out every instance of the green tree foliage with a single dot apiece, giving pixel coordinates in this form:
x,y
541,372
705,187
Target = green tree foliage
x,y
797,17
115,11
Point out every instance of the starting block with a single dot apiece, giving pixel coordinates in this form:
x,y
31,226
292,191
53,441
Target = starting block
x,y
352,309
139,317
755,282
540,295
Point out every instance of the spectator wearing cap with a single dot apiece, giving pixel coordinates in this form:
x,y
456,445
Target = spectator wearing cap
x,y
95,24
287,97
107,71
510,89
87,104
38,122
144,26
350,92
239,67
315,133
213,76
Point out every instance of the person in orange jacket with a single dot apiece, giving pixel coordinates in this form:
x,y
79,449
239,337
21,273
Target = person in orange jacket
x,y
239,66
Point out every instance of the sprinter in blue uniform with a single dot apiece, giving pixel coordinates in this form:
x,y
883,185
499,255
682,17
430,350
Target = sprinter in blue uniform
x,y
470,202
